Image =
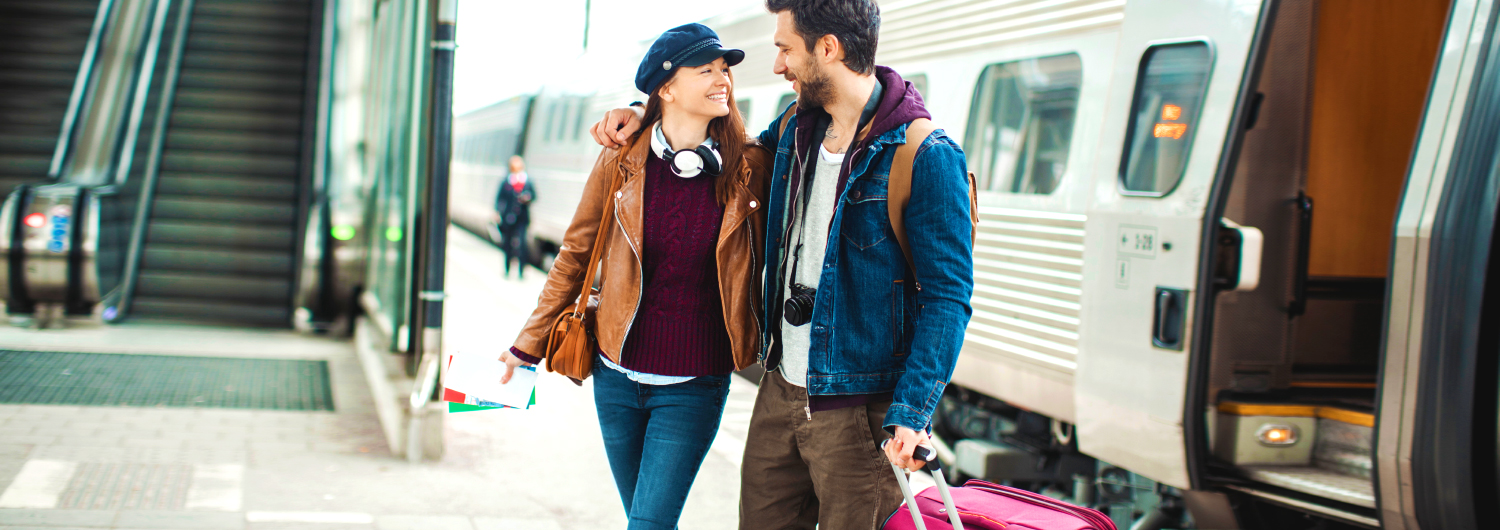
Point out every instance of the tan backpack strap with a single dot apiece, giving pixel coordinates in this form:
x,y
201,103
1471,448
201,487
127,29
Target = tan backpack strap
x,y
898,190
785,118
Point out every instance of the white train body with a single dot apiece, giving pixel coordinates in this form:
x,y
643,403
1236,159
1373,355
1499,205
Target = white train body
x,y
1150,282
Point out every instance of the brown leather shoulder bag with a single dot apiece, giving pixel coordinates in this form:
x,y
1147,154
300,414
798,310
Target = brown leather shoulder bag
x,y
570,346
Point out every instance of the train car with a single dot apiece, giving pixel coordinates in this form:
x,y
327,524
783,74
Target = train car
x,y
485,141
1233,256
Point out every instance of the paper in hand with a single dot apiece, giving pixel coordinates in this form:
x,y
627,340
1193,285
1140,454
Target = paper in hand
x,y
478,376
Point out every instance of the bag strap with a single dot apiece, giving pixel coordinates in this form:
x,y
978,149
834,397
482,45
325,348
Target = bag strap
x,y
785,118
600,238
898,191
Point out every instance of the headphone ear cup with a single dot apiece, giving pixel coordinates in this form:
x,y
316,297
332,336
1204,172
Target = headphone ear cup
x,y
711,163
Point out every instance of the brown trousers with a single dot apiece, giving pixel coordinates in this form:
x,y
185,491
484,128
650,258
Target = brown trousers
x,y
827,472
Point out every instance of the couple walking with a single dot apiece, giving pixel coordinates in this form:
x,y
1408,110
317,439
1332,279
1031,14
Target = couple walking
x,y
724,250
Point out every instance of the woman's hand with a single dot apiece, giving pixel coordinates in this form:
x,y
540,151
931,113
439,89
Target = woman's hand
x,y
511,362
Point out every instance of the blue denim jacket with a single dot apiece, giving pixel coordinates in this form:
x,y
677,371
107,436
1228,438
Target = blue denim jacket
x,y
873,329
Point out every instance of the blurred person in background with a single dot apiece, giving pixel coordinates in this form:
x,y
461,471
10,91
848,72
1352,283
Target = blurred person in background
x,y
680,274
513,215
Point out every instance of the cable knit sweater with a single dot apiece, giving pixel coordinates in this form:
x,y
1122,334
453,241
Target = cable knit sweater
x,y
679,326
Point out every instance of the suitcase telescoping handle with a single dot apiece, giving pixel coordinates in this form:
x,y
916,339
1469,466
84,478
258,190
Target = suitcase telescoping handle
x,y
926,454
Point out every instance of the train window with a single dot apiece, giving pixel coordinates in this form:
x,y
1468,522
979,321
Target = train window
x,y
1021,123
920,82
1169,94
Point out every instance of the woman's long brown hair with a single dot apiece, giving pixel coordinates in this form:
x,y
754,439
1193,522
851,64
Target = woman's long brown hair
x,y
728,131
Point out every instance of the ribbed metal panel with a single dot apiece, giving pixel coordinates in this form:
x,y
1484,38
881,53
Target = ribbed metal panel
x,y
1028,285
920,29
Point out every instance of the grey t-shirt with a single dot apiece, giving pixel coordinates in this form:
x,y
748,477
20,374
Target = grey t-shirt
x,y
796,341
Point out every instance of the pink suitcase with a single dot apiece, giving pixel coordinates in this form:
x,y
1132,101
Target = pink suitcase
x,y
980,505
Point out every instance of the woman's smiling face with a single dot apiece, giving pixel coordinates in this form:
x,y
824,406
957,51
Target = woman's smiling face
x,y
701,90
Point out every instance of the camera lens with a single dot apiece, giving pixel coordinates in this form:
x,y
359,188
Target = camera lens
x,y
799,306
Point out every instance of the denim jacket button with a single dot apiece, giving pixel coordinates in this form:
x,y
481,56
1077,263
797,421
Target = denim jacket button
x,y
856,194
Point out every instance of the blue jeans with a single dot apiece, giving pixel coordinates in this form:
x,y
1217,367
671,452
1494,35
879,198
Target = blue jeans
x,y
656,438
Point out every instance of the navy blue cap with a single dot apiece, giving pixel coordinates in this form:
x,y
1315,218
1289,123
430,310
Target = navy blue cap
x,y
687,45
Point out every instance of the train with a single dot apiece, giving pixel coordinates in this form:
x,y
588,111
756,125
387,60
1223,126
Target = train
x,y
1234,258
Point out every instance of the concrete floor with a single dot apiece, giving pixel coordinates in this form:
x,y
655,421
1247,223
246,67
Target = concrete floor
x,y
538,469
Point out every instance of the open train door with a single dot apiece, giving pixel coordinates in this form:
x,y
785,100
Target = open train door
x,y
1181,92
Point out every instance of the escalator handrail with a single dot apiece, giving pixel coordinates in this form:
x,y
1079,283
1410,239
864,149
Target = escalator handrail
x,y
82,84
137,243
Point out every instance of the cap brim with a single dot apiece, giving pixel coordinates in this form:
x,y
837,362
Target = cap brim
x,y
707,55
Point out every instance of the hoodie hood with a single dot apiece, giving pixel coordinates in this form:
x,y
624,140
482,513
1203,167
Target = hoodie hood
x,y
899,104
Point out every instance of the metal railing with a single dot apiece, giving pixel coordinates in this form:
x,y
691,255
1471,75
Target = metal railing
x,y
82,85
146,187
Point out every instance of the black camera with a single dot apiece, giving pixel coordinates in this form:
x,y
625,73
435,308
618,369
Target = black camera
x,y
798,309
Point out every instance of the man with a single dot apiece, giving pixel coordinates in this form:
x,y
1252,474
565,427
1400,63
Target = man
x,y
871,357
513,215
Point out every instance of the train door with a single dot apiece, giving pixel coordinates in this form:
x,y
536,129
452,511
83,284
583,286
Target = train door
x,y
1179,91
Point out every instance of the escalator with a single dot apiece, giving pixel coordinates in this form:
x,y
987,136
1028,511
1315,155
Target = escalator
x,y
220,245
42,43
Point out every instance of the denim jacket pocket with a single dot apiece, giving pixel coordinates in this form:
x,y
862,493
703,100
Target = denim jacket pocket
x,y
865,222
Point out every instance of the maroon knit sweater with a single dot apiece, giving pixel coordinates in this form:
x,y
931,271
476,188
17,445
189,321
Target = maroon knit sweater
x,y
679,326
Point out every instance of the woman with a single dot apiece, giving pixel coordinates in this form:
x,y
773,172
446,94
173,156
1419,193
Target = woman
x,y
678,298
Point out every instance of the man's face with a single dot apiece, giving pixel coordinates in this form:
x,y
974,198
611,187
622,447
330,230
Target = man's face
x,y
799,65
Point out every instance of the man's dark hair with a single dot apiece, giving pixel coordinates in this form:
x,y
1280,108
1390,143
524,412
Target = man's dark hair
x,y
856,24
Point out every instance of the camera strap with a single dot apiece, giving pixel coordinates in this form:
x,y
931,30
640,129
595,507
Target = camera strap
x,y
808,167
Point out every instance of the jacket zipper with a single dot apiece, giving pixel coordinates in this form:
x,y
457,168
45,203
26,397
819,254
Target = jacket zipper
x,y
641,283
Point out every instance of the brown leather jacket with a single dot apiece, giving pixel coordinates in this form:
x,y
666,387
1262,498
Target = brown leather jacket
x,y
741,236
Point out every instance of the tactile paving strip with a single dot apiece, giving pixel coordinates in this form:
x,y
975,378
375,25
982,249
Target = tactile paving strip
x,y
128,487
163,381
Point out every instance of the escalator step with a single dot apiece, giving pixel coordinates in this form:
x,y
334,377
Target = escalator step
x,y
180,207
69,8
257,8
70,46
188,97
188,259
295,27
21,99
278,315
214,287
11,163
288,84
220,235
286,64
238,142
63,62
236,43
35,78
195,118
34,117
15,142
208,185
229,163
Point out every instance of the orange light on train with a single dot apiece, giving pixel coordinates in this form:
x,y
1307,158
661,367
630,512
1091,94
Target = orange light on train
x,y
1277,434
35,220
1171,112
1170,130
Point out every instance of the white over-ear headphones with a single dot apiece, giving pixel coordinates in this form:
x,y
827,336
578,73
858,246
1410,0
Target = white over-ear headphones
x,y
687,163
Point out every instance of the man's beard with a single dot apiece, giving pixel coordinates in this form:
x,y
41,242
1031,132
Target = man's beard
x,y
815,89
